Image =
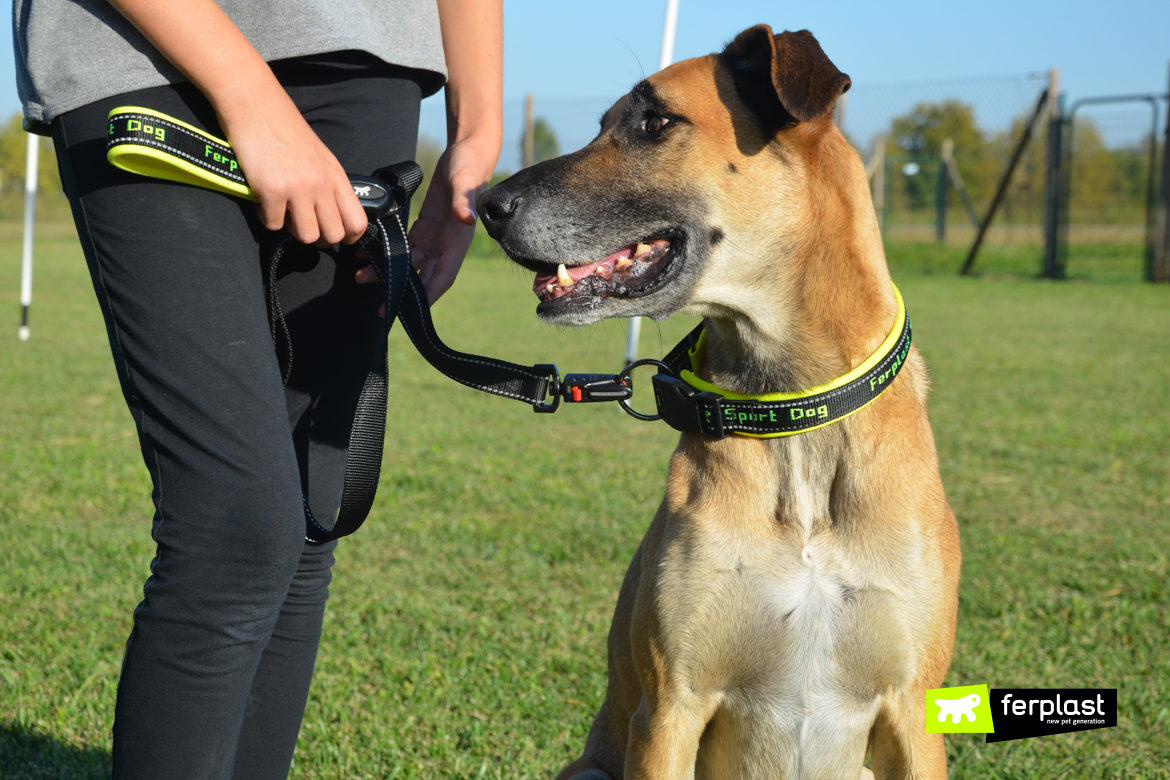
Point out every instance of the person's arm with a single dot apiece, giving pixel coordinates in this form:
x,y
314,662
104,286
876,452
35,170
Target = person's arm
x,y
473,43
291,171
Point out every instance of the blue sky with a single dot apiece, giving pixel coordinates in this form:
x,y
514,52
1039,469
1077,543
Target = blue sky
x,y
602,46
585,54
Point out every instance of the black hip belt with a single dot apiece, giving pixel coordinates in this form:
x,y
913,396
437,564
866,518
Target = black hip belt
x,y
147,142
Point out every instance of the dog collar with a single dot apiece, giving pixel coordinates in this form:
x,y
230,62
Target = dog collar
x,y
688,403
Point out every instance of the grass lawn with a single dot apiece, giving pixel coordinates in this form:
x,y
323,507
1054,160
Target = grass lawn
x,y
465,636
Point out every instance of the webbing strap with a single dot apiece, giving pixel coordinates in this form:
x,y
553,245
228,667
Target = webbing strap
x,y
688,403
147,142
141,140
388,247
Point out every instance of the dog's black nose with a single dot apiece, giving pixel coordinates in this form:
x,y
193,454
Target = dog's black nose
x,y
496,206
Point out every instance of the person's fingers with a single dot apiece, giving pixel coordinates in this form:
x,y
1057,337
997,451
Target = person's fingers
x,y
442,275
464,189
272,212
353,216
419,258
329,226
366,275
302,221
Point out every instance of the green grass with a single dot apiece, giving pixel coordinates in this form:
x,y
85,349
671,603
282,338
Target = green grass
x,y
465,635
1106,262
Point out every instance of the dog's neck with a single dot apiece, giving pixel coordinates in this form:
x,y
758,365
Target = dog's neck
x,y
829,307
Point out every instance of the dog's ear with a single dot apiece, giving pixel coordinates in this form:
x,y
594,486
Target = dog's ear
x,y
785,79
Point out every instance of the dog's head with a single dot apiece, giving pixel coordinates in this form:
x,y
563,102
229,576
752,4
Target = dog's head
x,y
697,179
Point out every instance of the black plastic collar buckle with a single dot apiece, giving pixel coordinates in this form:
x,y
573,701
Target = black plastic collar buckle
x,y
590,388
686,409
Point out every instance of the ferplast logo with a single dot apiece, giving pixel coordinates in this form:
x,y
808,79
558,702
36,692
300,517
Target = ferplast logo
x,y
962,710
1006,714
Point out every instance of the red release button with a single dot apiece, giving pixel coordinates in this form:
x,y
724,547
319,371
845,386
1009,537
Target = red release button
x,y
576,392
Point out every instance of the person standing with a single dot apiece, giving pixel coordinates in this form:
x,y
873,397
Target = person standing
x,y
219,660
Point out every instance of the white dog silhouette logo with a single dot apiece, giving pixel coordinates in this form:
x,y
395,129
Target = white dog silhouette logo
x,y
362,192
957,708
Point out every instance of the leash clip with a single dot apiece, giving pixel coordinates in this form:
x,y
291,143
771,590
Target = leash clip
x,y
591,388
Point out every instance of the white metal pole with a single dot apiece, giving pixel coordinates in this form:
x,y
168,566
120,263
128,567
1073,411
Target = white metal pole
x,y
665,56
30,206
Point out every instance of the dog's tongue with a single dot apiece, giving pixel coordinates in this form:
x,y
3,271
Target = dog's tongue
x,y
578,272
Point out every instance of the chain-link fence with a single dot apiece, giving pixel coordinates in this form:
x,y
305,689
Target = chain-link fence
x,y
1112,153
573,121
936,152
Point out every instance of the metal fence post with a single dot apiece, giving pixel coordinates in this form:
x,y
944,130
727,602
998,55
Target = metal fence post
x,y
30,209
1053,267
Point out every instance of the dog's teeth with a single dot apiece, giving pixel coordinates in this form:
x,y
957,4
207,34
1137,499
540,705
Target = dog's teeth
x,y
563,276
641,248
549,287
623,262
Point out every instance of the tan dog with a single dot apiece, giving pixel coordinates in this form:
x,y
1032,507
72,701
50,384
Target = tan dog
x,y
794,597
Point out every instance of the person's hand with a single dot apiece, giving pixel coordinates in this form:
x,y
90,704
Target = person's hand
x,y
445,226
441,235
301,185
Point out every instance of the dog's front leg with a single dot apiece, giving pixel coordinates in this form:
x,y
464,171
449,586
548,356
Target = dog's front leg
x,y
664,736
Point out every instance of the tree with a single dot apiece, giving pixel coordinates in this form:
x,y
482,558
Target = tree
x,y
921,132
1096,180
927,125
13,159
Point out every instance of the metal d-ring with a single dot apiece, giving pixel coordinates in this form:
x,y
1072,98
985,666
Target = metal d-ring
x,y
622,378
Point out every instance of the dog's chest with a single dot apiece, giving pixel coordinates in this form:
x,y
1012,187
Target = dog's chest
x,y
763,600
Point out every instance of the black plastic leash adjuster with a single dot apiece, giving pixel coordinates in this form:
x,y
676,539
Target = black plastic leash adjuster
x,y
376,198
685,409
590,388
554,389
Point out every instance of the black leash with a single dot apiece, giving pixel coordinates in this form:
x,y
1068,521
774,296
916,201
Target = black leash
x,y
386,199
147,142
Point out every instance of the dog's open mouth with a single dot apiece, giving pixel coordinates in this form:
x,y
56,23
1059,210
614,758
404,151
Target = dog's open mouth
x,y
627,273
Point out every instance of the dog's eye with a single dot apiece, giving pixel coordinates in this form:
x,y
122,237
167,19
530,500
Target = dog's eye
x,y
655,124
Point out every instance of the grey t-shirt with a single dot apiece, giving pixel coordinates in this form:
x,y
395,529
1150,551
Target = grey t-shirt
x,y
72,52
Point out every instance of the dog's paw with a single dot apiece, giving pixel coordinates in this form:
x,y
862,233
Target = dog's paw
x,y
597,774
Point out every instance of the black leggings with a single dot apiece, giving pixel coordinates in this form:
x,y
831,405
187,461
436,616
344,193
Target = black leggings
x,y
217,666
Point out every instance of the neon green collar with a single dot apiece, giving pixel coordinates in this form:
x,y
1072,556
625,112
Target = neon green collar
x,y
721,412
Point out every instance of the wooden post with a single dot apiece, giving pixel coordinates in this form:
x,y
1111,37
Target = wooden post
x,y
1161,270
529,130
1052,268
876,170
943,196
1003,184
957,181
